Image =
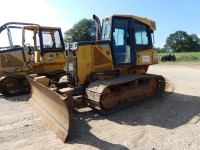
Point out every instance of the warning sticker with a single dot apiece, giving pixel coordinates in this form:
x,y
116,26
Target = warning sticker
x,y
145,58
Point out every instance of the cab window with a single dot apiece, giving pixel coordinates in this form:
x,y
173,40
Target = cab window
x,y
106,28
142,36
121,41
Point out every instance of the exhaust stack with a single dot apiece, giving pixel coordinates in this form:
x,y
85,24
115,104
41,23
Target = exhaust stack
x,y
98,27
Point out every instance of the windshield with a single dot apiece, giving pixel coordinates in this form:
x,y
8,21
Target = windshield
x,y
50,39
28,38
106,27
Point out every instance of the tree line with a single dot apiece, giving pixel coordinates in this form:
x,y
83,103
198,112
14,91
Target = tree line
x,y
180,41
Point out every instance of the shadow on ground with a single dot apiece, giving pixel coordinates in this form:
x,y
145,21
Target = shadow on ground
x,y
16,98
167,112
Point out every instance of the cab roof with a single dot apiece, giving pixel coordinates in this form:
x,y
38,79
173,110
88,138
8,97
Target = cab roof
x,y
146,21
37,27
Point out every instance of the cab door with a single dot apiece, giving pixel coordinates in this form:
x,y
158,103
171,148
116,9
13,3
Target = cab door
x,y
123,53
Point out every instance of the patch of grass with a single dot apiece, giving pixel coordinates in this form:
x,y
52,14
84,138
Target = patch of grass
x,y
184,57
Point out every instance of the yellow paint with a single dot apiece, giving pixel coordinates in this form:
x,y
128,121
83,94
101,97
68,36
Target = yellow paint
x,y
84,62
88,56
146,57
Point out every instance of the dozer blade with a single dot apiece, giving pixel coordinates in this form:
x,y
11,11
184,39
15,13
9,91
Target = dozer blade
x,y
56,110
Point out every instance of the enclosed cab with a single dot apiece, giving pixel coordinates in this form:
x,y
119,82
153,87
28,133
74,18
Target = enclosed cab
x,y
130,40
44,46
31,49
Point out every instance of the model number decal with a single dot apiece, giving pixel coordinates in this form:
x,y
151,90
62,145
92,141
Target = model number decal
x,y
145,58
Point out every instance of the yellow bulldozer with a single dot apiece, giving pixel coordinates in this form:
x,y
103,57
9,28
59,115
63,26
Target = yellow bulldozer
x,y
108,73
41,51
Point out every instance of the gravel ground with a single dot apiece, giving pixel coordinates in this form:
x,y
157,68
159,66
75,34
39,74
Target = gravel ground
x,y
170,122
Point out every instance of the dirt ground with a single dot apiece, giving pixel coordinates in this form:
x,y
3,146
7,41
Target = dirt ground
x,y
170,122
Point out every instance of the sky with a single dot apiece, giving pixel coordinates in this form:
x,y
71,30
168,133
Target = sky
x,y
170,16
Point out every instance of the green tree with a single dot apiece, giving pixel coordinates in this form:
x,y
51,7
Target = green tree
x,y
194,43
84,30
161,50
176,42
180,41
